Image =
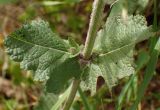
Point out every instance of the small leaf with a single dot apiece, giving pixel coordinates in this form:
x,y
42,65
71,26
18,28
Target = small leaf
x,y
73,43
40,50
7,1
132,6
46,101
51,3
61,99
157,47
50,101
115,44
74,47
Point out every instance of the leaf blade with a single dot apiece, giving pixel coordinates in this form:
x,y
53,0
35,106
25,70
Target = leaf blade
x,y
114,46
40,50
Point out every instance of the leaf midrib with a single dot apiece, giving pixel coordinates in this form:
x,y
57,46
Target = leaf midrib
x,y
118,49
40,45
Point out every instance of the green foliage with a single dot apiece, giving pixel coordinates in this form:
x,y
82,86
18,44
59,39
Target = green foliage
x,y
10,104
150,69
51,3
29,13
7,1
142,60
40,50
61,99
46,101
132,6
16,72
115,44
58,2
50,101
149,72
157,46
55,61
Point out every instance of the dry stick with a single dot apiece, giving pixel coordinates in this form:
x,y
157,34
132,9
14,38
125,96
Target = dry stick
x,y
5,57
95,22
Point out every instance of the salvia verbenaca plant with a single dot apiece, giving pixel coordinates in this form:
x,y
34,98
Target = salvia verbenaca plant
x,y
54,61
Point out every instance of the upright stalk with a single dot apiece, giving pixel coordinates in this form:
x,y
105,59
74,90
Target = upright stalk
x,y
95,22
70,99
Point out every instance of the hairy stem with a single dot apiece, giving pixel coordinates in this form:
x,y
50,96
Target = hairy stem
x,y
95,22
70,99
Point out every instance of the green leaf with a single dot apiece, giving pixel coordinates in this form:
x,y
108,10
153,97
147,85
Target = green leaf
x,y
61,99
40,50
115,44
46,101
50,101
91,72
110,2
7,1
74,47
51,3
132,6
157,46
119,33
143,58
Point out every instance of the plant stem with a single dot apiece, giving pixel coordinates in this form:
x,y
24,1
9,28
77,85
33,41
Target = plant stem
x,y
70,99
95,22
